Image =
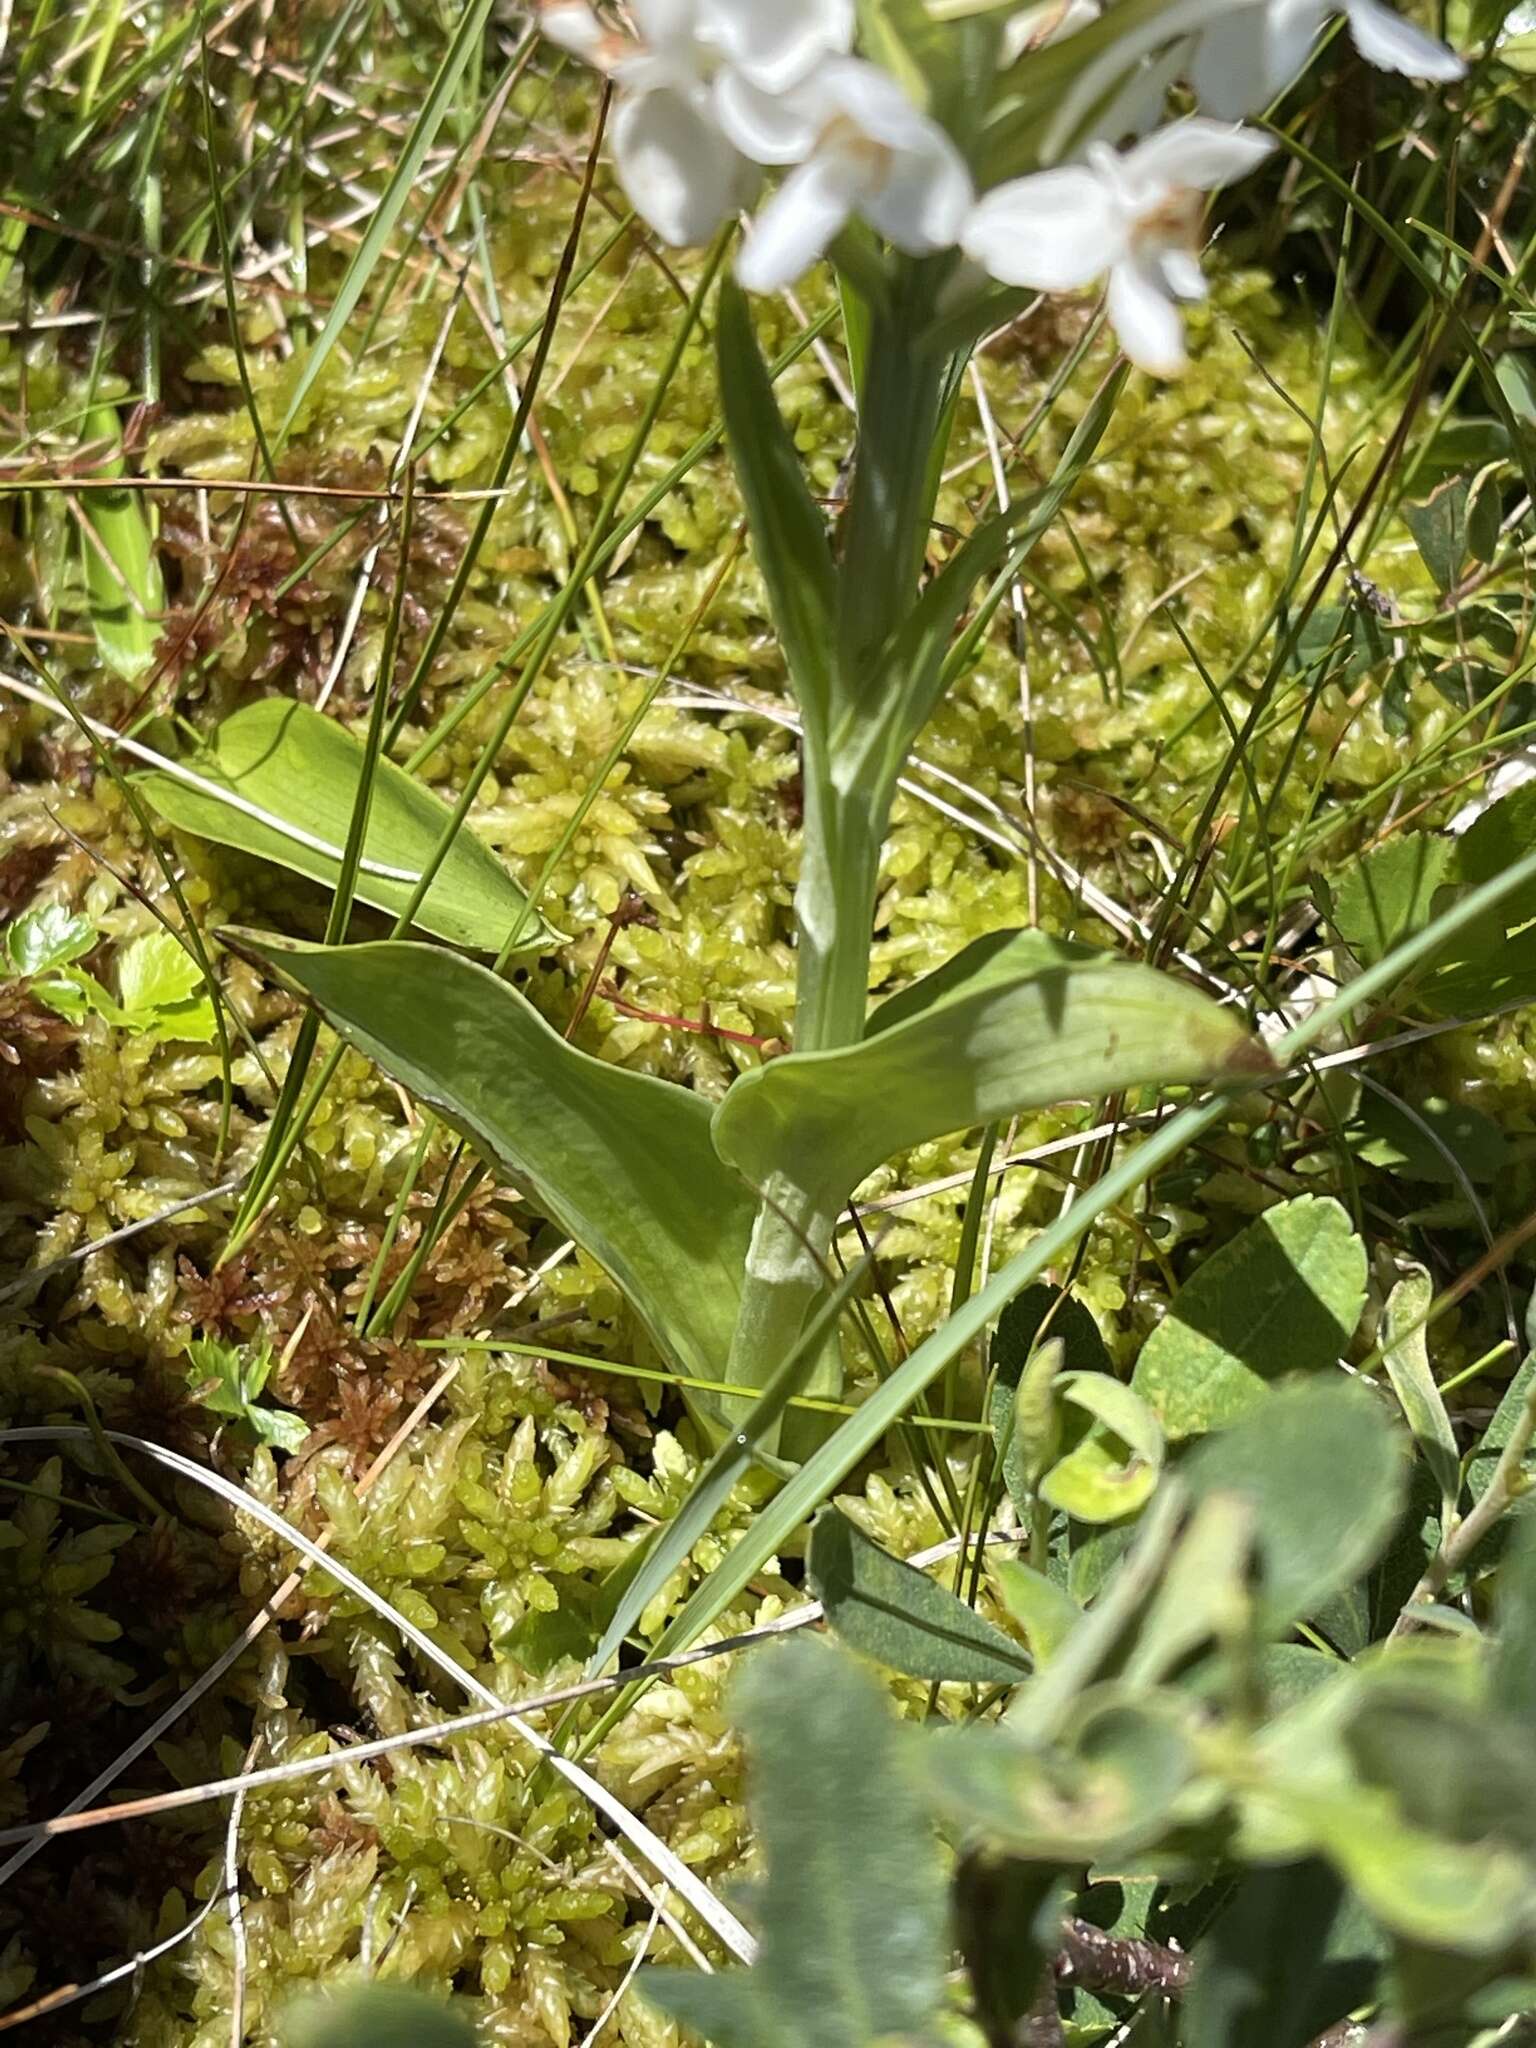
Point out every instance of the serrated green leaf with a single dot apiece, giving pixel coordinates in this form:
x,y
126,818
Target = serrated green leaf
x,y
890,1611
853,1910
1386,897
1405,1353
227,1379
1284,1296
621,1161
1016,1021
374,2016
122,577
47,938
280,781
1321,1472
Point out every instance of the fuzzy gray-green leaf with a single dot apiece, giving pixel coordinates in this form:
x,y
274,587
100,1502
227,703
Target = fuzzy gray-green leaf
x,y
853,1910
900,1616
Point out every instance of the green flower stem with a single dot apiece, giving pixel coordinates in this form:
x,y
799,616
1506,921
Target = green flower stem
x,y
847,807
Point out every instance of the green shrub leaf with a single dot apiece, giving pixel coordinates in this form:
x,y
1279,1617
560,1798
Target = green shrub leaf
x,y
280,780
622,1162
853,1909
1385,898
1112,1469
1284,1296
1405,1353
896,1614
1287,1957
1019,1437
1321,1472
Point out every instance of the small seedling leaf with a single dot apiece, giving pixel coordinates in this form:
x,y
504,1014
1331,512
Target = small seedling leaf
x,y
47,938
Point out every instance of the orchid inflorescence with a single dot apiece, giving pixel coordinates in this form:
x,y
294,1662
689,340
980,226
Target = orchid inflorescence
x,y
711,93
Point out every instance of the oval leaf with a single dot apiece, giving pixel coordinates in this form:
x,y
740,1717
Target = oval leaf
x,y
1014,1022
1283,1296
1111,1472
280,780
622,1162
898,1615
1405,1353
1321,1472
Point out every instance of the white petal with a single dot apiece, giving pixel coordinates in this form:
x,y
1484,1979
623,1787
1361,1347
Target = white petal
x,y
1385,38
1196,155
777,43
1146,321
1244,60
771,128
1182,274
680,173
1054,230
1050,21
573,25
923,201
873,101
806,214
665,25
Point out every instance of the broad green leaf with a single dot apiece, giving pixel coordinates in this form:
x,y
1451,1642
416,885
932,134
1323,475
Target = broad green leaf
x,y
1495,1438
122,576
1322,1474
374,2016
1453,1768
1113,1468
280,780
1023,1440
1008,1916
46,938
1014,1025
1422,1146
1284,1296
1439,529
1451,1894
1512,1675
1386,897
1108,1794
1287,1956
788,532
853,1909
1046,1612
896,1614
1203,1597
622,1162
1405,1353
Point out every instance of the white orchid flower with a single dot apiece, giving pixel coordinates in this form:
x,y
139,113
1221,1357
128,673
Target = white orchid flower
x,y
681,172
858,146
1135,216
1244,59
1048,21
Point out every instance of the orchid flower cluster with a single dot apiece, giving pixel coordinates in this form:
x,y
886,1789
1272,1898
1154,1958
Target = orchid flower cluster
x,y
714,93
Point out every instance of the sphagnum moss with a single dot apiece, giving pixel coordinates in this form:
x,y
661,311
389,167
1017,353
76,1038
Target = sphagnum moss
x,y
495,1526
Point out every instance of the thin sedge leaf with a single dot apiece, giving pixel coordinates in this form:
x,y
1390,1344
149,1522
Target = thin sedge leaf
x,y
122,577
407,173
788,536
